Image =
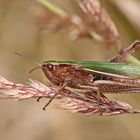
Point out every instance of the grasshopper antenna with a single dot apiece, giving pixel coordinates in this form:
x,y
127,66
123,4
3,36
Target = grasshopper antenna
x,y
28,58
32,60
34,69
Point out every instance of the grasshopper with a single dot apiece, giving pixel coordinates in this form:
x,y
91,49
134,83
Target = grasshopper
x,y
112,76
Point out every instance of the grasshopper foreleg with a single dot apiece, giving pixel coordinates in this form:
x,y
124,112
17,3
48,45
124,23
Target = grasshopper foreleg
x,y
61,87
38,99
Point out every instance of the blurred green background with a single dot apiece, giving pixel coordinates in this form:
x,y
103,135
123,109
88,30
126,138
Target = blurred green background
x,y
21,32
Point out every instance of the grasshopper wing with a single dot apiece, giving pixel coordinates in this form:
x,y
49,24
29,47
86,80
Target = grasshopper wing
x,y
107,68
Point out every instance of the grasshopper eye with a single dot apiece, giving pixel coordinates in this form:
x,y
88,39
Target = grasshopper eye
x,y
50,67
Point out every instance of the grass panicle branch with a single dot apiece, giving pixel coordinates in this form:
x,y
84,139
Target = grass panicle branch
x,y
55,18
69,100
99,21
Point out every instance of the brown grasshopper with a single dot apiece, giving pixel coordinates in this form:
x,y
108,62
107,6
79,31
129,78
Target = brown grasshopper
x,y
112,76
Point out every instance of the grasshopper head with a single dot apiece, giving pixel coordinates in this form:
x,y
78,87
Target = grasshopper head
x,y
56,72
